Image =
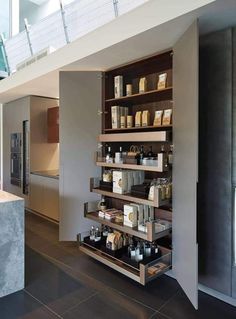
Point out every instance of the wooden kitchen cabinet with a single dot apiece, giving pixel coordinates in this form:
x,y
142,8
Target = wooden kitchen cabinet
x,y
53,124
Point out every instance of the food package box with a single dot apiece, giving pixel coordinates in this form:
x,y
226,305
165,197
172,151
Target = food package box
x,y
130,216
167,117
162,79
120,182
142,85
115,116
158,118
138,119
114,241
146,118
141,176
130,180
118,86
136,177
140,212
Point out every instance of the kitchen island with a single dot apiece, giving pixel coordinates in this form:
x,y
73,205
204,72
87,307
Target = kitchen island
x,y
11,243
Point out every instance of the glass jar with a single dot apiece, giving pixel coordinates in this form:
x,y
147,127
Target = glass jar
x,y
92,233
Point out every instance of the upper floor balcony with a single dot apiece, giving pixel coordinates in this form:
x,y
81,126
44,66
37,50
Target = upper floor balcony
x,y
68,23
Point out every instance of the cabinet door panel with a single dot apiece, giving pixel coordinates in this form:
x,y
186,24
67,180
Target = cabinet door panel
x,y
36,193
80,125
51,198
185,168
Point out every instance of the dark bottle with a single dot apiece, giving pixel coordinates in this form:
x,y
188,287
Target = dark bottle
x,y
163,149
170,156
150,152
140,156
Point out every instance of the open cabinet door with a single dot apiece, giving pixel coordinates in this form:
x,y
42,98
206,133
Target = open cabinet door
x,y
185,168
80,125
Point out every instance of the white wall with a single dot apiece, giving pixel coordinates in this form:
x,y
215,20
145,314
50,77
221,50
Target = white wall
x,y
34,12
43,155
80,99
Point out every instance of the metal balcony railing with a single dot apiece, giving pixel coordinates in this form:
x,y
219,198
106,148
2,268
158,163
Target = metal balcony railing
x,y
69,23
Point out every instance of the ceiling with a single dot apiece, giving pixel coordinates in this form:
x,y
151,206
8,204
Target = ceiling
x,y
212,17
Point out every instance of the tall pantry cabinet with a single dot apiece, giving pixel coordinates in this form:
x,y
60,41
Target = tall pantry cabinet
x,y
184,95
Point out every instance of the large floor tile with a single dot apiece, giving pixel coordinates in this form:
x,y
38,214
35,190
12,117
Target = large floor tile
x,y
179,307
51,285
154,294
109,305
21,305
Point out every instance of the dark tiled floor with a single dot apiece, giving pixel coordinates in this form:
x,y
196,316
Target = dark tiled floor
x,y
61,282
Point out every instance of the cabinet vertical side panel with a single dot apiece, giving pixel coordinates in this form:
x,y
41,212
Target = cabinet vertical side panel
x,y
185,168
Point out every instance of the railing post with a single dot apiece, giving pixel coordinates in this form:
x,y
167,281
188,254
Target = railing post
x,y
115,4
64,21
28,36
5,54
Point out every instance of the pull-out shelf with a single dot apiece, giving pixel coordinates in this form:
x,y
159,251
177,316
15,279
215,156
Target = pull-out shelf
x,y
145,273
150,235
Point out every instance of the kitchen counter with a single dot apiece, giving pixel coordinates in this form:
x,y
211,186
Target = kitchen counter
x,y
11,243
51,173
7,197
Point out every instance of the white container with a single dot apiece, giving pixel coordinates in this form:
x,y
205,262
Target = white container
x,y
120,182
140,212
115,116
130,216
118,86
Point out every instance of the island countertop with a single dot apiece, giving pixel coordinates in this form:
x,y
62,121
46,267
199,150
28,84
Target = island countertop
x,y
7,197
12,244
51,173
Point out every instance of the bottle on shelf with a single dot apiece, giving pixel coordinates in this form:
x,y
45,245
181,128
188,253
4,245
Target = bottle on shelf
x,y
150,152
105,231
119,156
131,250
102,204
99,153
170,156
109,157
92,233
154,248
147,251
140,156
97,234
165,156
141,253
137,250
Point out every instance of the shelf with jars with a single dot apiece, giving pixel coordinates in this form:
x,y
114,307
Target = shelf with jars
x,y
150,229
155,193
142,272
